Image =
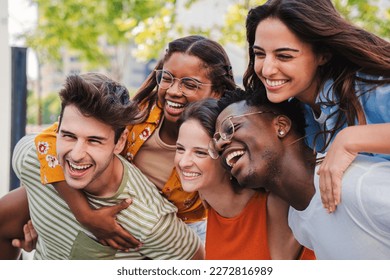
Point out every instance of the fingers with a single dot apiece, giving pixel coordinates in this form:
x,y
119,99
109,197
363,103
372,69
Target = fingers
x,y
126,240
122,241
17,243
325,191
30,238
119,244
121,206
336,183
330,188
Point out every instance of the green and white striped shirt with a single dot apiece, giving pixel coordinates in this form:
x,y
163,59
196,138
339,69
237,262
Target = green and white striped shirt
x,y
150,218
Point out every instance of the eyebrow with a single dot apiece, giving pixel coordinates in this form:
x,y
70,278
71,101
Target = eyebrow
x,y
277,50
100,138
196,147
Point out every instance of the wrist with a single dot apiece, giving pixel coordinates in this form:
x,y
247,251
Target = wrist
x,y
349,139
84,217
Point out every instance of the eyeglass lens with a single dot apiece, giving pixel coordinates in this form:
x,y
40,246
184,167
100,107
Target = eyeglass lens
x,y
187,86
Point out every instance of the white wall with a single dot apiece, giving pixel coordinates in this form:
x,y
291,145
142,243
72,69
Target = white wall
x,y
5,97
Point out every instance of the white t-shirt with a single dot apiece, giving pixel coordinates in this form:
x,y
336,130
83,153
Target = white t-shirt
x,y
360,226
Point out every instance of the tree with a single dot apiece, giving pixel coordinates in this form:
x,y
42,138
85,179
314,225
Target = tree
x,y
84,27
369,15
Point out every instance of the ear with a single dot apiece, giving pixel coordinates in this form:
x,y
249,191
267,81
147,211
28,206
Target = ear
x,y
282,125
122,141
324,58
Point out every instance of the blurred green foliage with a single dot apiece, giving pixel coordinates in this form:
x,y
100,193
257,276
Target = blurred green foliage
x,y
84,26
50,108
79,25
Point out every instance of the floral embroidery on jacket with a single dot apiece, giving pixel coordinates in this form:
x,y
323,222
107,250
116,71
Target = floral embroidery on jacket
x,y
52,161
145,134
43,147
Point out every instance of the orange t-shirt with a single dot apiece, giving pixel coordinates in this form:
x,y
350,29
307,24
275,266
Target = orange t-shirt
x,y
243,237
190,207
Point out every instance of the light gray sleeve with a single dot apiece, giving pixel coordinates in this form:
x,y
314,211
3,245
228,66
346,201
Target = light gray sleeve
x,y
19,154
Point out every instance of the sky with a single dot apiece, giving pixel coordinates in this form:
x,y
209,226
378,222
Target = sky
x,y
22,17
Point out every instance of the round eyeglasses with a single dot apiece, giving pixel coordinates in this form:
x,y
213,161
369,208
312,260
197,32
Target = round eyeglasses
x,y
226,132
187,86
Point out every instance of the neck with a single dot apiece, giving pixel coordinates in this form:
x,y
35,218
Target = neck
x,y
225,201
108,182
168,132
309,97
296,181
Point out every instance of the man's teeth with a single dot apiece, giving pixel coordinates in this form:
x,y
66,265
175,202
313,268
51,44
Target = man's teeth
x,y
191,174
231,156
174,104
79,167
275,83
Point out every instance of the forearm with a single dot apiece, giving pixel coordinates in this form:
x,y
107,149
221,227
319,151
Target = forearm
x,y
76,200
14,214
372,138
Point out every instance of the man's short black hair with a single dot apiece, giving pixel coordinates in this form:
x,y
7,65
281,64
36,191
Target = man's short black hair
x,y
293,108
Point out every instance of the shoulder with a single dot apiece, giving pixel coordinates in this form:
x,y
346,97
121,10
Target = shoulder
x,y
23,153
366,185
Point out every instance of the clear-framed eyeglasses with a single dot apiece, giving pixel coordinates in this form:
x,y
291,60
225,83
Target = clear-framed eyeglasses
x,y
187,86
226,132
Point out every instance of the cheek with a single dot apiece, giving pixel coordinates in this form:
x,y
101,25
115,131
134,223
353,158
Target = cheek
x,y
161,94
258,65
176,160
60,147
202,94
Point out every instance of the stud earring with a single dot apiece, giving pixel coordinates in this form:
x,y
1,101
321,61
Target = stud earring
x,y
281,132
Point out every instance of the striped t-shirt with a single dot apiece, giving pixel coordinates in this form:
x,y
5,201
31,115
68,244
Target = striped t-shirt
x,y
150,218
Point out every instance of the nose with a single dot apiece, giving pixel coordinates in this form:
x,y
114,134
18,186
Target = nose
x,y
174,89
185,160
221,144
269,67
79,151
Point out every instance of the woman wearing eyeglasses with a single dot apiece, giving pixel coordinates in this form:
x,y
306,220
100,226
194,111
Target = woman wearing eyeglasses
x,y
242,223
192,69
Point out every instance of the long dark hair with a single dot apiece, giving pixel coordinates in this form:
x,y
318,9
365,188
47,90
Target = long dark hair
x,y
352,50
212,54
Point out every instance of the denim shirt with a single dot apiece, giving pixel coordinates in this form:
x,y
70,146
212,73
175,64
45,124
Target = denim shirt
x,y
375,101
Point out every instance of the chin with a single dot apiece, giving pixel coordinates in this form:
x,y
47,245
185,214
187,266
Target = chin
x,y
247,183
251,181
274,98
75,185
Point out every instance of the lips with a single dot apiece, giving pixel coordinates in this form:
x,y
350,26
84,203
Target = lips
x,y
232,157
190,175
174,108
275,83
78,170
175,104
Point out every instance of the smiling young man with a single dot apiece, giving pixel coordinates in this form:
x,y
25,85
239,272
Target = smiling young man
x,y
262,145
91,134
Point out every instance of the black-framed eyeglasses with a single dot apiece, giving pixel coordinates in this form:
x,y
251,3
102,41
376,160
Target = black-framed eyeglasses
x,y
226,132
187,86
